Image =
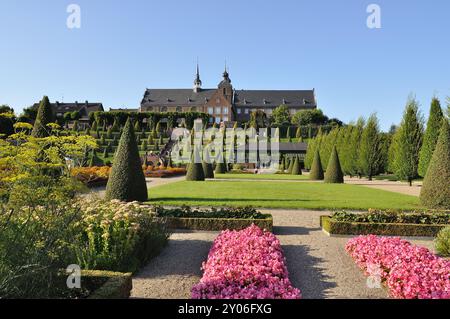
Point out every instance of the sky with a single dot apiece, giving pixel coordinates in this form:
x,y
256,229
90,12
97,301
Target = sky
x,y
124,47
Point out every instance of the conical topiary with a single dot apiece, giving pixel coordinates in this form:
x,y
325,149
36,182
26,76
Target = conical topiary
x,y
435,191
44,116
334,173
195,168
207,166
316,172
127,180
281,167
290,166
296,167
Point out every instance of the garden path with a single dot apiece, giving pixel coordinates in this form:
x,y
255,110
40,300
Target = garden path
x,y
317,263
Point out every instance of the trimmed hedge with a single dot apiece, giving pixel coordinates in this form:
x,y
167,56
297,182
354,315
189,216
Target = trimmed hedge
x,y
117,285
385,229
393,216
227,212
217,224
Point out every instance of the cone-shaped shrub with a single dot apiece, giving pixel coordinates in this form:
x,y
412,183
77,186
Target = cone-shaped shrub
x,y
316,172
296,170
334,173
44,116
221,168
127,180
290,166
95,160
208,167
435,191
281,168
105,153
195,168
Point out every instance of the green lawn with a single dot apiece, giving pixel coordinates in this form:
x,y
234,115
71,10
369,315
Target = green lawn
x,y
281,177
279,195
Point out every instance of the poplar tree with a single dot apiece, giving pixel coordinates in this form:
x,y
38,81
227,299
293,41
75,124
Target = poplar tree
x,y
370,154
431,136
408,143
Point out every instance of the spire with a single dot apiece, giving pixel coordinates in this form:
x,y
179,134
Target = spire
x,y
197,81
226,77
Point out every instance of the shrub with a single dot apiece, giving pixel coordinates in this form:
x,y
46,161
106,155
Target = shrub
x,y
208,170
127,181
316,172
442,242
296,170
409,272
392,216
247,212
435,192
334,173
221,168
246,264
195,170
119,236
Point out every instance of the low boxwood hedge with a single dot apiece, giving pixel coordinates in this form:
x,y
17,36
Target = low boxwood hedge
x,y
214,219
217,224
117,285
422,224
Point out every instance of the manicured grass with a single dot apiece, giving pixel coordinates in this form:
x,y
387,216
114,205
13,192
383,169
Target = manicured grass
x,y
279,195
281,177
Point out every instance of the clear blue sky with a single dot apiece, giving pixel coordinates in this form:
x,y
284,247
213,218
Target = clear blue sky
x,y
124,47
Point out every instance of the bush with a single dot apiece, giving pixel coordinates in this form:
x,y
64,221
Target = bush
x,y
195,171
208,170
119,236
220,168
442,242
227,212
316,172
435,192
44,117
127,181
296,170
377,216
334,172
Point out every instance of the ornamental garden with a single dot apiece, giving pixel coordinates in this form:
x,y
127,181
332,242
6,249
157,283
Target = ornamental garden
x,y
118,203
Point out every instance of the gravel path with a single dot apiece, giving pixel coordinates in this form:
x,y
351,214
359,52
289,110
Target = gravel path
x,y
317,263
397,187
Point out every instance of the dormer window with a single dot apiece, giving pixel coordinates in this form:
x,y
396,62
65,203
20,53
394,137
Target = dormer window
x,y
265,101
284,101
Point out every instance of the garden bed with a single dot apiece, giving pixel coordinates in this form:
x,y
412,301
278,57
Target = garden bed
x,y
246,264
423,224
408,271
215,219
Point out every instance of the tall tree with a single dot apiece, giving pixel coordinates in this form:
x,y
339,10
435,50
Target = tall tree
x,y
355,140
281,116
435,192
409,141
127,180
371,155
431,136
44,116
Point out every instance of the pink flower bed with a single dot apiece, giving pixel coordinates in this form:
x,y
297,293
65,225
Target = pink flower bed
x,y
246,264
408,271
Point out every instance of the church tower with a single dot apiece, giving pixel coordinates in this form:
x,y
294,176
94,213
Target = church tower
x,y
197,82
225,85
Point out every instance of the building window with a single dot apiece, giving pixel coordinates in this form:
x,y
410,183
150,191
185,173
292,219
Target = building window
x,y
210,110
163,109
225,118
179,109
193,109
211,120
149,108
246,111
218,110
225,110
218,101
217,120
239,111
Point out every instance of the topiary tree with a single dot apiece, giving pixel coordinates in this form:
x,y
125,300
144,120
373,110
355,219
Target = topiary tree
x,y
289,166
442,242
105,153
221,167
431,136
435,192
44,116
127,180
95,160
334,173
316,173
195,168
296,170
281,167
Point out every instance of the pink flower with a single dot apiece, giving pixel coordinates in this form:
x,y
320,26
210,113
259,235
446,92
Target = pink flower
x,y
247,264
409,271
